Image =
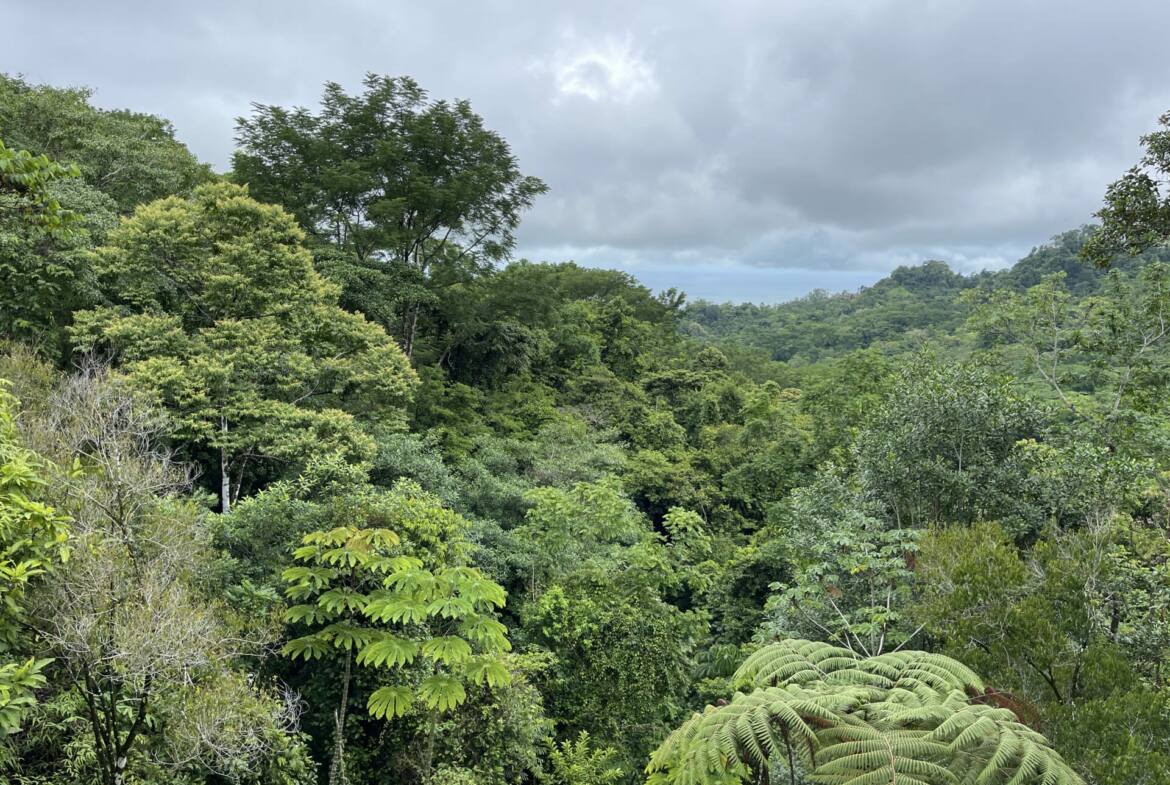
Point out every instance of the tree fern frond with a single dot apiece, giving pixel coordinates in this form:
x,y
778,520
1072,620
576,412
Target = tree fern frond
x,y
902,718
907,669
1003,750
793,662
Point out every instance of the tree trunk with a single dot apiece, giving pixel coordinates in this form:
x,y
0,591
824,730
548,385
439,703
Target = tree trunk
x,y
337,774
225,477
428,755
409,330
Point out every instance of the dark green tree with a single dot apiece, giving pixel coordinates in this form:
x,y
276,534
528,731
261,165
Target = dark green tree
x,y
938,449
25,186
1136,213
402,184
129,156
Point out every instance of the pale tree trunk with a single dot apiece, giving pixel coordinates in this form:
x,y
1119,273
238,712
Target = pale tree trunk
x,y
225,476
428,756
337,774
412,328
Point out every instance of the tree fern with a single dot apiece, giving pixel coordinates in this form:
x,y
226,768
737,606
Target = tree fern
x,y
901,718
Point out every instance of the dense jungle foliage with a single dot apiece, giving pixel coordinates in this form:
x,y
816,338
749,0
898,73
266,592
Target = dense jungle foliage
x,y
303,479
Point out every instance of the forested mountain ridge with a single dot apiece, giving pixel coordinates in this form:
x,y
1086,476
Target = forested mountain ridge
x,y
304,480
912,304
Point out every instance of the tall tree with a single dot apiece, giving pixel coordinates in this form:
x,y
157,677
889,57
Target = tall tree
x,y
938,449
400,183
214,307
403,603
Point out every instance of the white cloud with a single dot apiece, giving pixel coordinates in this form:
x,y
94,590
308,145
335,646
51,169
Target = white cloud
x,y
610,71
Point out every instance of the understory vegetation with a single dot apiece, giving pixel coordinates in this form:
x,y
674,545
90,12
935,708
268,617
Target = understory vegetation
x,y
304,479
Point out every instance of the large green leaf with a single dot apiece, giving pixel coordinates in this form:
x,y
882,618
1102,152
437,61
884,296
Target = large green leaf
x,y
308,647
442,691
390,702
488,670
389,651
447,649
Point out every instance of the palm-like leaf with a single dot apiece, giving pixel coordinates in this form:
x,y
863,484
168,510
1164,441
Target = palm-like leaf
x,y
794,662
390,651
488,670
398,609
486,631
390,702
307,614
859,754
447,649
308,647
442,691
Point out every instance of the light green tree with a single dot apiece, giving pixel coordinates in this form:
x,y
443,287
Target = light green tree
x,y
580,763
216,310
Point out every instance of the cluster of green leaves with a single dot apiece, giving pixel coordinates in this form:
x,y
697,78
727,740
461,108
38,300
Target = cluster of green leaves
x,y
71,168
33,537
576,763
46,274
130,157
25,181
939,449
1136,213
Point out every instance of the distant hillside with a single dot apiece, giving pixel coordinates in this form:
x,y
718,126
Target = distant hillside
x,y
910,304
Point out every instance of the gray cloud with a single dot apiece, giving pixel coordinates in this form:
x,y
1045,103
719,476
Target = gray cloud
x,y
705,138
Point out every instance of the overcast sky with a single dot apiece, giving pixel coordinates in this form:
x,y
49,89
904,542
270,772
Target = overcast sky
x,y
737,150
